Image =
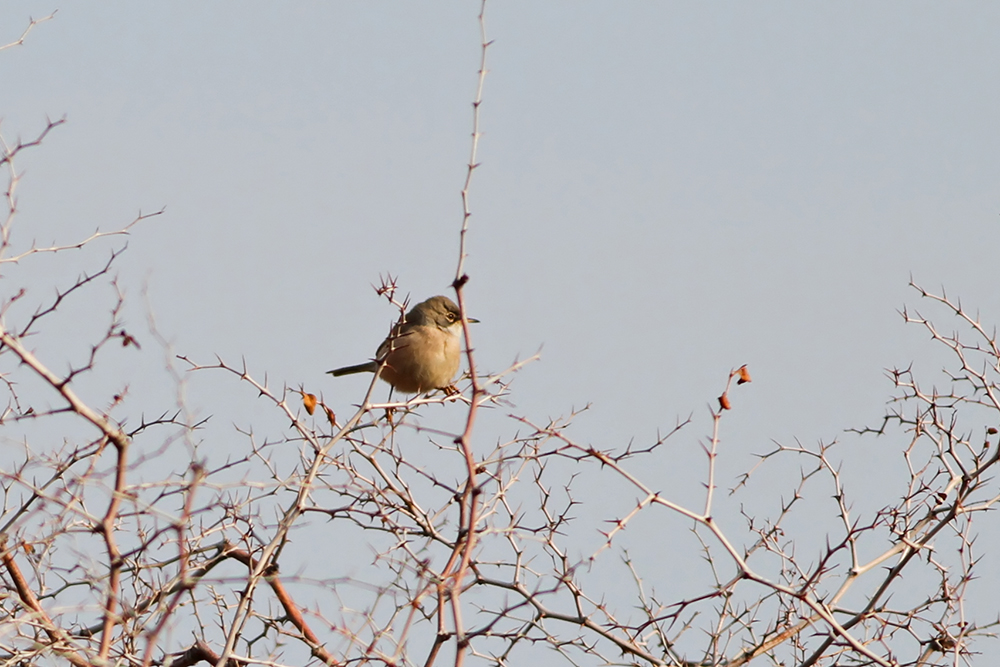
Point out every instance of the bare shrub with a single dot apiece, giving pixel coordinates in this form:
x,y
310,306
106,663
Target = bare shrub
x,y
113,553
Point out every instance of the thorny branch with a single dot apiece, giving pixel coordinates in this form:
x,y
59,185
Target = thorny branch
x,y
159,555
31,24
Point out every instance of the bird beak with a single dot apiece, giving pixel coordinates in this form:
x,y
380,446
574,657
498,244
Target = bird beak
x,y
472,320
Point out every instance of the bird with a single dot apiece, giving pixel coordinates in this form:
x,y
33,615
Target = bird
x,y
422,353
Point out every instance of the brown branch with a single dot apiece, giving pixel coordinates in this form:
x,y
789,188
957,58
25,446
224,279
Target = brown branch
x,y
198,475
107,530
455,570
292,610
201,652
30,600
115,434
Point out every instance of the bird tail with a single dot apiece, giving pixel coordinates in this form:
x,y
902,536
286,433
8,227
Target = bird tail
x,y
367,367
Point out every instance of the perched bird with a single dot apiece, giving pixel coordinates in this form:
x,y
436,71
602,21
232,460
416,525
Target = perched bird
x,y
422,353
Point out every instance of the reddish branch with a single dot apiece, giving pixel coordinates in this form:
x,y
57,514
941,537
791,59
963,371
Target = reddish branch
x,y
292,610
120,440
107,530
30,600
457,568
198,474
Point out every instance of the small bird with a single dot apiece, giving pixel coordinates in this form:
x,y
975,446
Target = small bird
x,y
422,353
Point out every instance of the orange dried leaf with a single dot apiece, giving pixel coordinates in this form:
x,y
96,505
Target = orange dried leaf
x,y
724,402
330,417
309,400
744,375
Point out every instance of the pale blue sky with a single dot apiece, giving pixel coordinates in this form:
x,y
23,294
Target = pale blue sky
x,y
667,191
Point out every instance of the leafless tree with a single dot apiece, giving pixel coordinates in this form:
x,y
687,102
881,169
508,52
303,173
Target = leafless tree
x,y
112,557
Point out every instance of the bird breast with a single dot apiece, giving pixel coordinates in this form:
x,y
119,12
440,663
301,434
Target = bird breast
x,y
424,358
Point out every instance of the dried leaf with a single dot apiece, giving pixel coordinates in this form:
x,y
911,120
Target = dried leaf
x,y
724,402
744,375
309,400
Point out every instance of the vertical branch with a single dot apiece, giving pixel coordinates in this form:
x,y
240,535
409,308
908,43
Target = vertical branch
x,y
458,565
107,529
183,585
120,441
7,154
712,450
476,103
